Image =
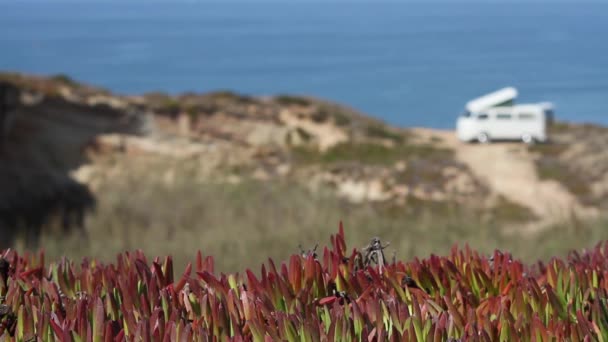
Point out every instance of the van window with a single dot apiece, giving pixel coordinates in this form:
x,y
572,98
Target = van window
x,y
526,116
482,117
549,116
503,116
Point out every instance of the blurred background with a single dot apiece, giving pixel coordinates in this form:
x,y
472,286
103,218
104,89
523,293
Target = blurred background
x,y
246,129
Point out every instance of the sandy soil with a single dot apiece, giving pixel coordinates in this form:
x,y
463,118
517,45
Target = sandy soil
x,y
508,169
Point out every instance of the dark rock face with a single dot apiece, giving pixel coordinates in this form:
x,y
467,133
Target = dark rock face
x,y
9,100
32,198
39,145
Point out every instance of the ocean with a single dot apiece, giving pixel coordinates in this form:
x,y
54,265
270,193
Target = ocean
x,y
408,63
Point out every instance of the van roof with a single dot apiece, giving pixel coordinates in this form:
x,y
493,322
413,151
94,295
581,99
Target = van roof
x,y
492,100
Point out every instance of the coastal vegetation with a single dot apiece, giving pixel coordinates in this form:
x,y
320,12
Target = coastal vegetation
x,y
329,293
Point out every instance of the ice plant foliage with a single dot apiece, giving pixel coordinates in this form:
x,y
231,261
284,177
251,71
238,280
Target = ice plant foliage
x,y
333,296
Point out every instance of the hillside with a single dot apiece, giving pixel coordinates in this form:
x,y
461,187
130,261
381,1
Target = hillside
x,y
115,147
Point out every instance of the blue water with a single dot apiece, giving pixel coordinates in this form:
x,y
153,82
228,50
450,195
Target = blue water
x,y
411,64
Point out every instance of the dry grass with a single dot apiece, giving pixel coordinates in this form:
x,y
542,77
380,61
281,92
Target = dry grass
x,y
242,225
369,153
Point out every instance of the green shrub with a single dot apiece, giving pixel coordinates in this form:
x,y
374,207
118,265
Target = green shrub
x,y
227,95
369,153
289,100
324,113
382,132
505,210
171,106
64,79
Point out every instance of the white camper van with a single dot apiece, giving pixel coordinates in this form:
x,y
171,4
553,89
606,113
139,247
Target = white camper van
x,y
496,117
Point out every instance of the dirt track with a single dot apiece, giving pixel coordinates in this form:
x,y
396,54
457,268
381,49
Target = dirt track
x,y
508,169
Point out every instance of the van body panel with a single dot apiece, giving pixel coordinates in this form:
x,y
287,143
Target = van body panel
x,y
504,123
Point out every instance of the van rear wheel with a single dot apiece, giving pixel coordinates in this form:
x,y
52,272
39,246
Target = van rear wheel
x,y
483,138
527,138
